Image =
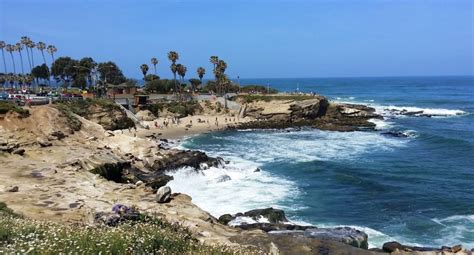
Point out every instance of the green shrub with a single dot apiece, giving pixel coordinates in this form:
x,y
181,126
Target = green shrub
x,y
182,109
72,121
6,106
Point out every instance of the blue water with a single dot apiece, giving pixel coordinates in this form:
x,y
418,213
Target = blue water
x,y
416,190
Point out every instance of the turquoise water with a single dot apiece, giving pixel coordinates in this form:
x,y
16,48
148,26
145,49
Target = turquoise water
x,y
417,190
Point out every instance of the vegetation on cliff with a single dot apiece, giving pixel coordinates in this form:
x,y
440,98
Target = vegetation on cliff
x,y
6,106
103,111
143,236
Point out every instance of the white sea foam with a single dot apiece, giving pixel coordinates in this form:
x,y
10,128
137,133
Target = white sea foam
x,y
416,111
303,146
456,229
381,124
246,189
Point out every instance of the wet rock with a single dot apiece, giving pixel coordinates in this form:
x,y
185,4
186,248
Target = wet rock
x,y
19,151
273,215
226,218
268,227
43,142
456,248
269,214
12,189
392,246
346,235
163,194
257,170
395,134
223,178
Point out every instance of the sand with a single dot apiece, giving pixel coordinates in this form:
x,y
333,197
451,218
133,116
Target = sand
x,y
188,126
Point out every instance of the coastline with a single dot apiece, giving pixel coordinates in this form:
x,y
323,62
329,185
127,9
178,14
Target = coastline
x,y
142,144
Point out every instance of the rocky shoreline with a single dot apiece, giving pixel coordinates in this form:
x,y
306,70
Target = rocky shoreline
x,y
58,172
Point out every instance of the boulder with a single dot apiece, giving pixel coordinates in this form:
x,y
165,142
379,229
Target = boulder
x,y
12,189
393,246
43,142
273,215
163,194
226,218
19,151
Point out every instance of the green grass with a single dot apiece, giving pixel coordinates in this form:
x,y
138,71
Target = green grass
x,y
6,106
268,98
148,235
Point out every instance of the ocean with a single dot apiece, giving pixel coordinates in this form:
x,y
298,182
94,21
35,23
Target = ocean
x,y
417,190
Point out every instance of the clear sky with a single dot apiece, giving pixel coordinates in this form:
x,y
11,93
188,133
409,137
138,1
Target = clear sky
x,y
259,38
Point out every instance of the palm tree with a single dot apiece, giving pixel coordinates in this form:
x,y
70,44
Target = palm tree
x,y
173,56
154,62
19,48
181,71
201,72
41,46
51,50
214,60
144,68
219,73
24,42
32,45
2,46
10,49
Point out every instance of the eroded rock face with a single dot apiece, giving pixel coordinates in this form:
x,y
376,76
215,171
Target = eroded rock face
x,y
145,115
317,112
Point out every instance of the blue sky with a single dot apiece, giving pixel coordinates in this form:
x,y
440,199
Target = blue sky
x,y
259,38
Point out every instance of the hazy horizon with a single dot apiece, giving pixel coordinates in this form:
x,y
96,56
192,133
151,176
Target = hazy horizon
x,y
281,39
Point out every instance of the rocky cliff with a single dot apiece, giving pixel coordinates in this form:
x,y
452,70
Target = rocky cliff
x,y
317,111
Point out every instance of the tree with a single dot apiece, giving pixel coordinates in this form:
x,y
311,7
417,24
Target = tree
x,y
144,68
41,46
181,69
65,69
151,77
19,48
86,68
214,60
51,50
201,72
219,73
110,72
194,84
173,57
24,42
10,49
154,62
31,45
41,72
2,46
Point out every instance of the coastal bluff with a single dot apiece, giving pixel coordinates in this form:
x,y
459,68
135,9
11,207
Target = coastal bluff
x,y
287,111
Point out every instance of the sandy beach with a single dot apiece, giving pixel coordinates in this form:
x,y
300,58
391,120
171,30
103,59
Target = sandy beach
x,y
187,126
